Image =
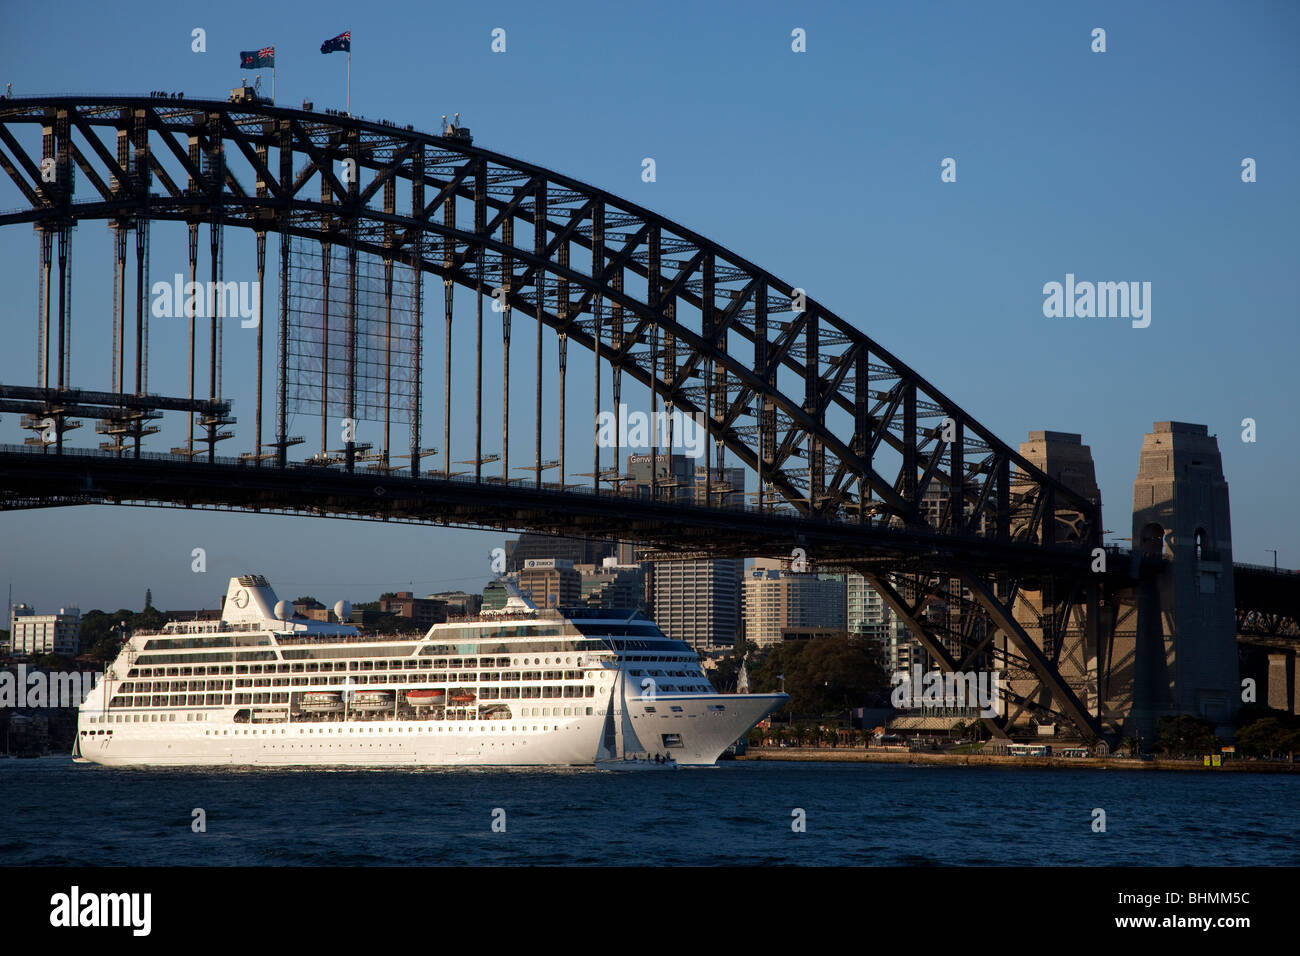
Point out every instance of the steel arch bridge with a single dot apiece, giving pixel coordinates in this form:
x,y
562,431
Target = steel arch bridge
x,y
854,455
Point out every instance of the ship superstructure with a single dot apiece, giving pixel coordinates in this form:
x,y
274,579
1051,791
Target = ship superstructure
x,y
519,687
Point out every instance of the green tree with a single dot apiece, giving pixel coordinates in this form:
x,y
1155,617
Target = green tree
x,y
1263,738
822,676
1186,735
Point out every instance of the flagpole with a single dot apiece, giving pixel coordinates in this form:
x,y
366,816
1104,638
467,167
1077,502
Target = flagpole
x,y
349,79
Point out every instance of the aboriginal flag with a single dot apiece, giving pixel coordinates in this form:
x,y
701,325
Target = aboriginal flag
x,y
252,59
341,42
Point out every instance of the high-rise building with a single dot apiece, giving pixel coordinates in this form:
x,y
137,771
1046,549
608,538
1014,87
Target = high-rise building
x,y
529,546
693,601
868,617
32,633
698,601
550,582
777,601
614,586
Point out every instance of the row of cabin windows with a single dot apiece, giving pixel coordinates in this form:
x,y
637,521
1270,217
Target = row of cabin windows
x,y
172,700
455,663
469,677
314,667
451,713
212,700
367,665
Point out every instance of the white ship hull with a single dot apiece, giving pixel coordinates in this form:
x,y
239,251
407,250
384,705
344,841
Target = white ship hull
x,y
258,689
571,741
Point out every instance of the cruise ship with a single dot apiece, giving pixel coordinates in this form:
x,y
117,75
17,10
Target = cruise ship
x,y
522,686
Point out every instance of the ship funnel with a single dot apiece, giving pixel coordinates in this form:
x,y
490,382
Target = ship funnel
x,y
516,600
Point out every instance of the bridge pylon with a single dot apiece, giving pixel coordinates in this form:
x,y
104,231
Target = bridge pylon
x,y
1184,646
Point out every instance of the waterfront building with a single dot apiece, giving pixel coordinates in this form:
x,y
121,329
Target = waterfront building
x,y
32,633
777,600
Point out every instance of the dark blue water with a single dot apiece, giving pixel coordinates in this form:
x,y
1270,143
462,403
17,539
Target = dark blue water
x,y
56,812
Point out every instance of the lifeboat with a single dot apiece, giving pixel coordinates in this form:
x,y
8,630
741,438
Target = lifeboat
x,y
462,697
494,712
321,702
426,697
368,700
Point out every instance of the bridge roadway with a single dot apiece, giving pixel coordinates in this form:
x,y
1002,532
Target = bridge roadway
x,y
30,478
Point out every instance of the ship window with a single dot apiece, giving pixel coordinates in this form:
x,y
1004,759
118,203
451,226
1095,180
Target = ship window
x,y
651,710
676,710
588,711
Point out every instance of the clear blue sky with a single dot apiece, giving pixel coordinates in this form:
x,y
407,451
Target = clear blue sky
x,y
824,168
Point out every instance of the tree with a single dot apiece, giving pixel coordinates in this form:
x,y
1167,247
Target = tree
x,y
1186,735
822,676
1260,738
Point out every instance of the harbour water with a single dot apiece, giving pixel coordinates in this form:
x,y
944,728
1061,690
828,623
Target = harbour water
x,y
57,812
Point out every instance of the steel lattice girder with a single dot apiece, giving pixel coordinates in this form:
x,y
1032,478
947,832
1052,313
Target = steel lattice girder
x,y
847,399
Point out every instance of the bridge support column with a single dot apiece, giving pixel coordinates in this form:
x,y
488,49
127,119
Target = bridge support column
x,y
1059,618
1283,691
1186,655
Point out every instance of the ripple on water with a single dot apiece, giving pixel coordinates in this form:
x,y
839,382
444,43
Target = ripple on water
x,y
736,815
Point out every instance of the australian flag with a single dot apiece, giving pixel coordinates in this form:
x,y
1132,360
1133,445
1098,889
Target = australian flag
x,y
252,59
341,42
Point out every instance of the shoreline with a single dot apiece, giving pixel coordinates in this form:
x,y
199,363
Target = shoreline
x,y
854,755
